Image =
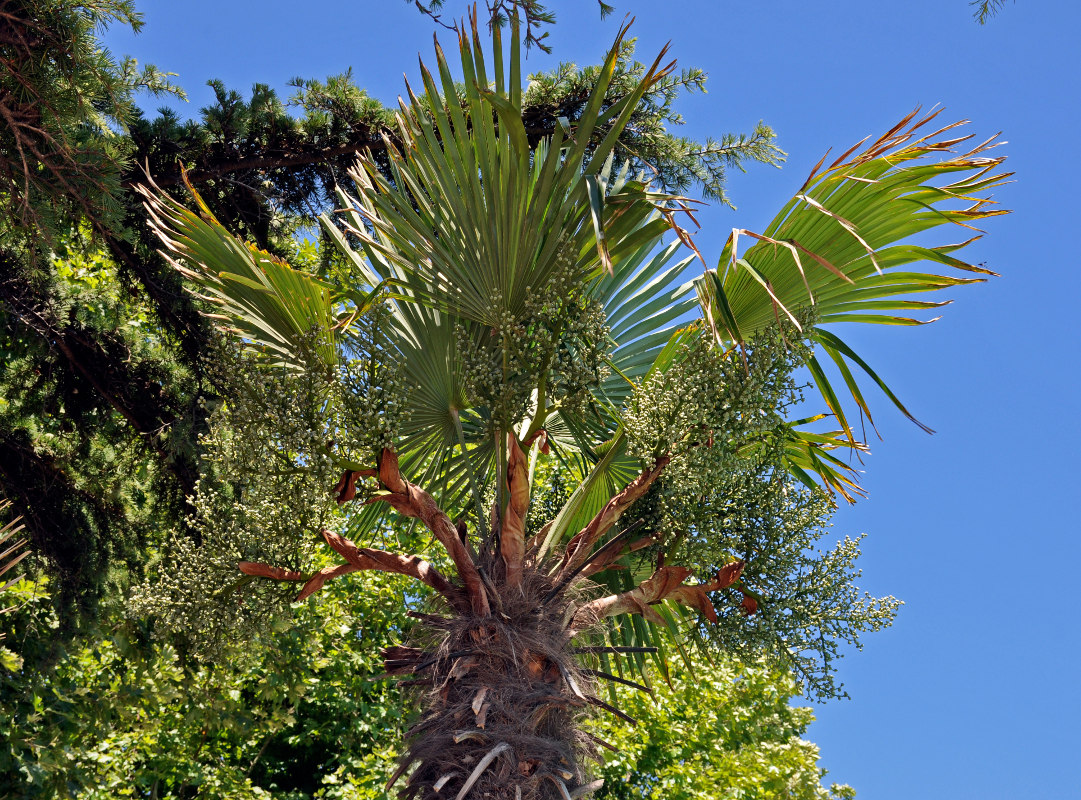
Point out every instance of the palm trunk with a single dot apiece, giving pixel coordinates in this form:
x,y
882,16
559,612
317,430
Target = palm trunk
x,y
501,697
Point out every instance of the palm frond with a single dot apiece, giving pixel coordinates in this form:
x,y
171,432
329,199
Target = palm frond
x,y
258,297
840,248
645,303
478,218
9,550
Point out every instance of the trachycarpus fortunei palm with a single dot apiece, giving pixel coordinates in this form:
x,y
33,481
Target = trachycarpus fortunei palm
x,y
528,306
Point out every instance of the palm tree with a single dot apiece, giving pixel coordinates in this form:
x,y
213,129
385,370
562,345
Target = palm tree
x,y
524,292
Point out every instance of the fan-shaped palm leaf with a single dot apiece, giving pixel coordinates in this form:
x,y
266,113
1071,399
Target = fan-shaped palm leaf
x,y
839,248
258,297
477,217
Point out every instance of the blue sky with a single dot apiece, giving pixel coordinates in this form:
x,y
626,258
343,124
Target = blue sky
x,y
974,692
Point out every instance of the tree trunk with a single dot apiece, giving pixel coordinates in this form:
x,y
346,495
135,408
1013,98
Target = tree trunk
x,y
501,693
502,698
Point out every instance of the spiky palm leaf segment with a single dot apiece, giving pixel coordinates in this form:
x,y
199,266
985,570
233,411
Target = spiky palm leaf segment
x,y
511,312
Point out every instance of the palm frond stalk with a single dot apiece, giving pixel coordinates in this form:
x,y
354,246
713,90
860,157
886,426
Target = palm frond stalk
x,y
539,319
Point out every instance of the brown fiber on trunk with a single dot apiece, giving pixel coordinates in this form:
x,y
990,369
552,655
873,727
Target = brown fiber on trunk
x,y
501,702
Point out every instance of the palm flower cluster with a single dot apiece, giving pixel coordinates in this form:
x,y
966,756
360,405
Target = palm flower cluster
x,y
535,323
269,471
560,334
273,450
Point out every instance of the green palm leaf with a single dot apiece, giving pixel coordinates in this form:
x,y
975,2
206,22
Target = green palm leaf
x,y
839,248
478,217
644,304
258,297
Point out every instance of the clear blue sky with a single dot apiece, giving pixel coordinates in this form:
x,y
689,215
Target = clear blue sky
x,y
974,693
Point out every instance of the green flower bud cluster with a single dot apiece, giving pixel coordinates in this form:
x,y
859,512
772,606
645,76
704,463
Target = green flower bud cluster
x,y
274,451
711,402
555,343
809,607
370,393
728,495
578,365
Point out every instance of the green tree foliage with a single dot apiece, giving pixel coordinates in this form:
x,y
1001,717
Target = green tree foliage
x,y
64,102
985,9
678,164
97,416
120,717
97,379
723,732
307,716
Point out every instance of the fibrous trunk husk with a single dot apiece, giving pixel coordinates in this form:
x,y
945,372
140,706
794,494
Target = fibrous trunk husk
x,y
502,691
